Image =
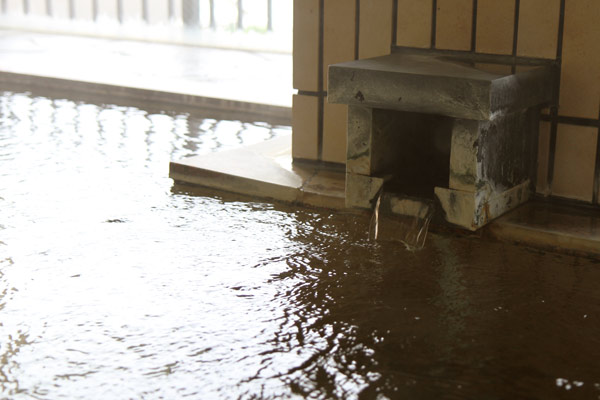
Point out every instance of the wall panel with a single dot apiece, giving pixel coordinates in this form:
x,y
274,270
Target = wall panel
x,y
414,23
454,21
305,127
538,28
339,33
574,162
375,33
334,132
306,45
580,80
495,26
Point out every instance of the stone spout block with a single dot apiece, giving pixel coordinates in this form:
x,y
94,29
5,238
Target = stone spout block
x,y
435,129
436,84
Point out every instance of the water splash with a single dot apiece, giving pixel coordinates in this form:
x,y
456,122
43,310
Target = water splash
x,y
401,219
415,233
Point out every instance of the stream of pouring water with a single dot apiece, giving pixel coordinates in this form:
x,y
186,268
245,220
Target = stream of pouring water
x,y
411,230
374,225
420,225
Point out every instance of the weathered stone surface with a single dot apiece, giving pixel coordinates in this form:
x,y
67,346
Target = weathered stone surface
x,y
472,210
409,206
437,85
459,207
499,152
358,150
507,148
361,190
463,155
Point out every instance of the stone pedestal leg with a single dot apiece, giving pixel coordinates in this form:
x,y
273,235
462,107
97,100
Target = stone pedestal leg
x,y
490,168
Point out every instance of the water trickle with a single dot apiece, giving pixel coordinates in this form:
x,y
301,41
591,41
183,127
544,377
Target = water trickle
x,y
401,219
374,224
415,233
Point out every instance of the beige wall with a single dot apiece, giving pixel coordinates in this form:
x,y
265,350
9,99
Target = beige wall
x,y
328,31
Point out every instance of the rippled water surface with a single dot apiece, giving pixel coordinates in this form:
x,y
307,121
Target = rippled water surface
x,y
116,284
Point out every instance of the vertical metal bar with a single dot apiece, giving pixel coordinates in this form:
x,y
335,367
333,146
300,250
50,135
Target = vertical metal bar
x,y
552,146
120,11
4,6
190,11
515,35
240,18
554,108
357,30
474,27
145,15
394,23
72,9
95,10
26,7
516,28
270,15
171,7
49,8
321,81
596,193
213,21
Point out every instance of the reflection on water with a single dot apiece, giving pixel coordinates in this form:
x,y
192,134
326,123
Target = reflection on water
x,y
116,284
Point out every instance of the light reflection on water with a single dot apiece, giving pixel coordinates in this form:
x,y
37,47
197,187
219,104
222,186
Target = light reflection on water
x,y
116,284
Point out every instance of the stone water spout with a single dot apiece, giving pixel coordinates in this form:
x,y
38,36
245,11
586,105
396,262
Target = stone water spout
x,y
455,133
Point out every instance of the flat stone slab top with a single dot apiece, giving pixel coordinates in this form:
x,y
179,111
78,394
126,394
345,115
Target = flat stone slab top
x,y
263,170
439,84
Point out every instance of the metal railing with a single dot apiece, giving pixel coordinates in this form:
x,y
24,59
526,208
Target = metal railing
x,y
204,22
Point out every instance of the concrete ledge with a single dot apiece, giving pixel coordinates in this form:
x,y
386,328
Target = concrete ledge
x,y
561,228
271,113
264,170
